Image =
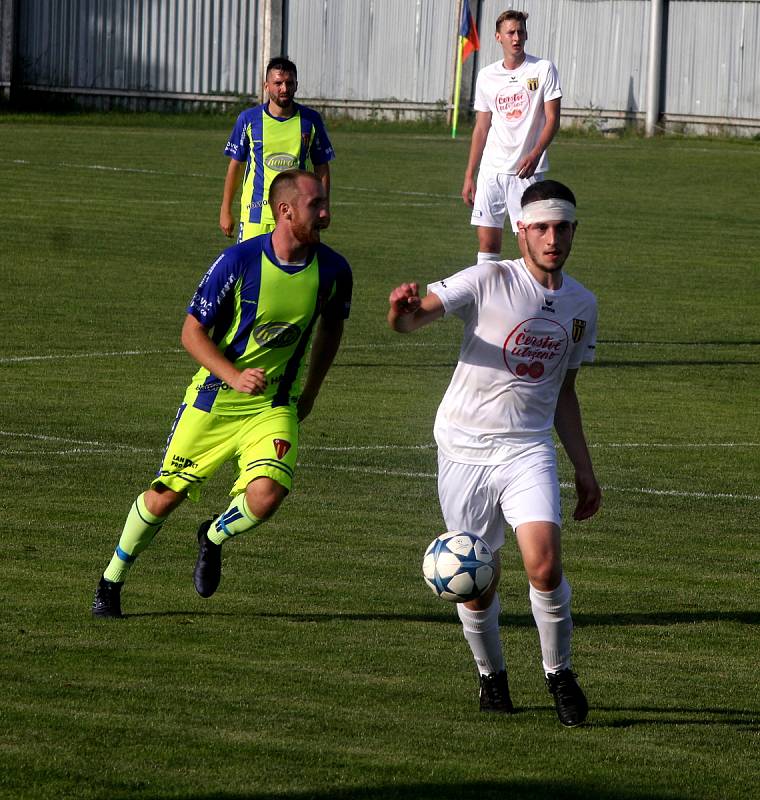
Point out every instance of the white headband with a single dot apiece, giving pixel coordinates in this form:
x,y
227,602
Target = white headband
x,y
548,211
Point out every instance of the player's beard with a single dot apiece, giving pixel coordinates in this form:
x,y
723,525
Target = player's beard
x,y
542,262
305,233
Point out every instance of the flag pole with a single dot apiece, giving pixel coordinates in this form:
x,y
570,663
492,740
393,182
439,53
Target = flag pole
x,y
457,87
454,107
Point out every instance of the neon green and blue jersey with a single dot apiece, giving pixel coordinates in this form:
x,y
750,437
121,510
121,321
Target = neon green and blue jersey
x,y
261,314
270,145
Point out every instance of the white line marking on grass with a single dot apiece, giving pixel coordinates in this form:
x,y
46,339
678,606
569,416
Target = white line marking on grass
x,y
383,205
381,447
674,445
106,446
105,354
405,345
74,451
80,201
564,485
367,447
106,168
103,448
129,353
679,493
401,192
164,173
598,445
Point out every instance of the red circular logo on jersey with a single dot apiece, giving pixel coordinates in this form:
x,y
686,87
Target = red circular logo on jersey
x,y
512,104
535,348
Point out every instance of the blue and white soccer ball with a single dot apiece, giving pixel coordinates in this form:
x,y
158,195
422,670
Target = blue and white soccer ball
x,y
458,566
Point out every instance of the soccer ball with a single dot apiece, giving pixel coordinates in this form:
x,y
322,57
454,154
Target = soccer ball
x,y
458,566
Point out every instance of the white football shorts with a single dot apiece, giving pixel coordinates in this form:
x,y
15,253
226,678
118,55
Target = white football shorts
x,y
479,498
499,195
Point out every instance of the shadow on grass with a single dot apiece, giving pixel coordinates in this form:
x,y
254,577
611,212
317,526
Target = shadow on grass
x,y
651,715
472,790
526,620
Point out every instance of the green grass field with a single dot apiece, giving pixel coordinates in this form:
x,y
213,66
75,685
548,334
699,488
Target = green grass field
x,y
324,668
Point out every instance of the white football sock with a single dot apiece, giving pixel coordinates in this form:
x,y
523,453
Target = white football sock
x,y
551,610
481,629
488,257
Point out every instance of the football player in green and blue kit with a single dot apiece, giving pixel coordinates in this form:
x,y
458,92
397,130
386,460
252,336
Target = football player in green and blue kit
x,y
268,139
248,326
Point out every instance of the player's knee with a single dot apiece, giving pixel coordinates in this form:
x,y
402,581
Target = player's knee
x,y
264,496
546,574
160,500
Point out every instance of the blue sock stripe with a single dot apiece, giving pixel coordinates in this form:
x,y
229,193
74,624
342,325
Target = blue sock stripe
x,y
220,526
123,556
232,515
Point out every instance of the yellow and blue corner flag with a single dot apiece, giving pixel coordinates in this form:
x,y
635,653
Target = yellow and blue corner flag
x,y
468,43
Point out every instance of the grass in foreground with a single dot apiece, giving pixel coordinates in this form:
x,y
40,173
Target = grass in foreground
x,y
324,668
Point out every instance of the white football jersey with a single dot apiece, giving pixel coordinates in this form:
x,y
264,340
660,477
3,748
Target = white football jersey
x,y
519,341
515,98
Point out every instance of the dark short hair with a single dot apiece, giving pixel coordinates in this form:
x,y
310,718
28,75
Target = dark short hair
x,y
285,185
516,16
283,64
547,190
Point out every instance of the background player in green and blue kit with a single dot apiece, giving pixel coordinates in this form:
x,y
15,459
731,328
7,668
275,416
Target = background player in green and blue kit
x,y
268,139
248,325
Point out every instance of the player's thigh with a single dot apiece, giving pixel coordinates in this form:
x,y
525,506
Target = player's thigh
x,y
528,485
514,192
489,208
198,444
268,448
247,230
469,502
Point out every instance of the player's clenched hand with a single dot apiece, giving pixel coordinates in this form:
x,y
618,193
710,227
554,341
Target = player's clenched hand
x,y
226,223
304,405
589,496
250,381
405,299
468,191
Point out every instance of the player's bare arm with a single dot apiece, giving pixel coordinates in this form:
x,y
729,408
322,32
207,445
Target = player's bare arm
x,y
324,348
569,427
231,184
528,165
408,311
477,145
196,341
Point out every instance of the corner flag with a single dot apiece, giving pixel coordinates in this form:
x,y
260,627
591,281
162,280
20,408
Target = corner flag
x,y
468,33
468,43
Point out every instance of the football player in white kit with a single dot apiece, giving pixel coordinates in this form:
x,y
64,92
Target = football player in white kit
x,y
527,328
517,105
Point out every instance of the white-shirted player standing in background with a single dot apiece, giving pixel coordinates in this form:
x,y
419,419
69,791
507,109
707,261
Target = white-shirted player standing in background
x,y
517,105
527,329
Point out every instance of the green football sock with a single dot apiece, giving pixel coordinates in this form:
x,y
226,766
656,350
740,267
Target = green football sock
x,y
139,531
235,520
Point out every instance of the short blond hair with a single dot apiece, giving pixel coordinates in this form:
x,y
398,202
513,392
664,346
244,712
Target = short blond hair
x,y
284,187
516,16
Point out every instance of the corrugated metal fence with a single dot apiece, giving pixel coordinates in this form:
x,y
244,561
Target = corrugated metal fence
x,y
383,56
